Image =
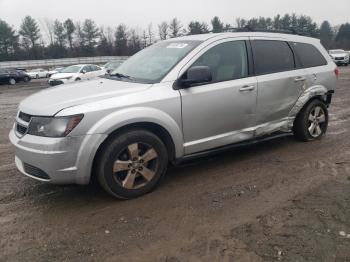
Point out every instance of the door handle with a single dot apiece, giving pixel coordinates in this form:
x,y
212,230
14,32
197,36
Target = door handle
x,y
246,88
300,79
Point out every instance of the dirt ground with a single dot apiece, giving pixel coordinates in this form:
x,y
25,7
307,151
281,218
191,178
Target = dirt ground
x,y
280,200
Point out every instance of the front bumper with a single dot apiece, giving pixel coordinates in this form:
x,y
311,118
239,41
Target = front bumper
x,y
65,160
341,61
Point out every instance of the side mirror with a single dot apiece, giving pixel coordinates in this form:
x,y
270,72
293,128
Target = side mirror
x,y
83,71
196,75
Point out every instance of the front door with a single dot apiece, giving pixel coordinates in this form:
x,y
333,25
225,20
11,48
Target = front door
x,y
223,111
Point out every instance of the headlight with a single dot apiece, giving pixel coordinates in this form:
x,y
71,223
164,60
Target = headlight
x,y
53,126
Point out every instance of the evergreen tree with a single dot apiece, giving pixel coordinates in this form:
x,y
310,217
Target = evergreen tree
x,y
326,34
69,32
217,25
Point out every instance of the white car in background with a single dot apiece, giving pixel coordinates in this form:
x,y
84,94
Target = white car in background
x,y
76,73
38,73
339,56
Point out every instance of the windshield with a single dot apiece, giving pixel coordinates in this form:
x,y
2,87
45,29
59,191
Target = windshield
x,y
71,69
153,63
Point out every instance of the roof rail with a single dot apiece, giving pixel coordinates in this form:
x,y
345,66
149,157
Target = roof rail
x,y
248,28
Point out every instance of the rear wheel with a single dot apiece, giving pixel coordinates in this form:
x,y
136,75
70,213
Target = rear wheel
x,y
12,81
77,79
132,164
26,79
312,122
37,76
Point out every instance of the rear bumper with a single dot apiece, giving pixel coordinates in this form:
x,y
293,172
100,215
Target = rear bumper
x,y
65,160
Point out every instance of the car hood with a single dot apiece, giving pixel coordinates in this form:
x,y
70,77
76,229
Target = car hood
x,y
54,99
62,75
339,55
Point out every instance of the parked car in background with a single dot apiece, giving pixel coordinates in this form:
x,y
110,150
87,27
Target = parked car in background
x,y
175,100
12,76
111,66
38,73
76,73
55,71
339,56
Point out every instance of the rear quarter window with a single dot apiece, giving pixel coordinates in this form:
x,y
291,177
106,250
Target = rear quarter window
x,y
271,56
308,55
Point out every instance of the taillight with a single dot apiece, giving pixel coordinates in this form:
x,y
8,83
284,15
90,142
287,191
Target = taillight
x,y
336,71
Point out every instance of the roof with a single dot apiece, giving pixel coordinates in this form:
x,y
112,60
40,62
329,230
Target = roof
x,y
205,37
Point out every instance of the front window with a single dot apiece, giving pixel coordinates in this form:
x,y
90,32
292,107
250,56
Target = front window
x,y
71,69
153,63
227,61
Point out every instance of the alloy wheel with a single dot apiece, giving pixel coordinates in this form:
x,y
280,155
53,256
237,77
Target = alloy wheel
x,y
135,166
317,120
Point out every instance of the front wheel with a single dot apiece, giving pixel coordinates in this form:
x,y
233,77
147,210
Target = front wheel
x,y
312,122
132,164
12,81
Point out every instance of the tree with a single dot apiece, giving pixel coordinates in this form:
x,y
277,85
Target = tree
x,y
105,45
134,42
217,25
121,40
163,29
48,26
8,40
69,31
60,37
150,34
195,28
343,37
30,32
90,35
175,27
326,34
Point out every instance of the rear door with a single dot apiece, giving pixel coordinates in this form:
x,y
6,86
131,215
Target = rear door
x,y
315,64
280,83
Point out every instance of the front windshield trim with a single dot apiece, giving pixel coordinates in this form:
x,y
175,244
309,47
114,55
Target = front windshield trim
x,y
195,43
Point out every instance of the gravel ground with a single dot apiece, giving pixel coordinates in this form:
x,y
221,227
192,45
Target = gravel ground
x,y
280,200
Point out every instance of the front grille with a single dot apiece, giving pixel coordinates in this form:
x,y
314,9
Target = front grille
x,y
34,171
21,129
25,117
339,58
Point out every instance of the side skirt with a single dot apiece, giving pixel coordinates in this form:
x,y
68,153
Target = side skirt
x,y
192,157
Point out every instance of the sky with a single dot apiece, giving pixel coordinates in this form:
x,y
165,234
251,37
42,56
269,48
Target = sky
x,y
139,14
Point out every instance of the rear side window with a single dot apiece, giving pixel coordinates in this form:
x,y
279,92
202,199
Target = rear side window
x,y
308,55
272,57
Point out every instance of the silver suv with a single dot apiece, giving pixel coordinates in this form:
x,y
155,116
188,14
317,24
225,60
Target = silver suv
x,y
175,100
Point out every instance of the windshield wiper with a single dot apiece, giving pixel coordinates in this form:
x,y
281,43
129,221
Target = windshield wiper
x,y
119,75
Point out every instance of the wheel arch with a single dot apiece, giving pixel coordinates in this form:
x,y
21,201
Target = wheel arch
x,y
314,93
310,94
152,127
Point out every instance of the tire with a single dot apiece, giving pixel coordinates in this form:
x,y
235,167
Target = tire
x,y
12,81
77,79
312,121
26,79
132,164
